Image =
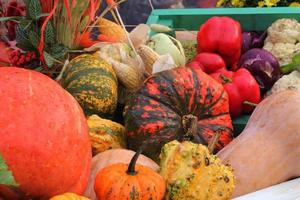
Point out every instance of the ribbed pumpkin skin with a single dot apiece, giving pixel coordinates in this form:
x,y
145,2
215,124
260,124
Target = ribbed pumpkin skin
x,y
93,83
105,134
155,113
113,183
44,135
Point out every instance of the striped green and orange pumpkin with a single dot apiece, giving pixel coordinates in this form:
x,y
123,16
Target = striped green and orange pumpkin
x,y
93,83
105,134
157,112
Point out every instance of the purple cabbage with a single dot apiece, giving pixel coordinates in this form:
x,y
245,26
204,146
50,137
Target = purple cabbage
x,y
263,66
253,40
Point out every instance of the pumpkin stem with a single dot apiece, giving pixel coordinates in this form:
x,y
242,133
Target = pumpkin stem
x,y
131,168
212,145
190,128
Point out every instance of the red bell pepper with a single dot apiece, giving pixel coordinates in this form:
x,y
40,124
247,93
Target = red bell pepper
x,y
221,35
242,89
208,62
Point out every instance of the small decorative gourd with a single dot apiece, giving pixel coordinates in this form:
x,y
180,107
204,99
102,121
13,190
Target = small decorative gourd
x,y
105,134
93,83
69,196
192,172
134,182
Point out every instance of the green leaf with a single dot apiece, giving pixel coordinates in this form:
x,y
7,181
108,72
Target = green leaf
x,y
49,33
26,24
12,18
49,59
39,69
296,59
34,39
43,15
21,34
58,51
22,39
34,9
295,65
26,46
6,176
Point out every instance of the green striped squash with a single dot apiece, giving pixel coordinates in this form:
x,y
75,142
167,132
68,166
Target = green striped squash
x,y
93,83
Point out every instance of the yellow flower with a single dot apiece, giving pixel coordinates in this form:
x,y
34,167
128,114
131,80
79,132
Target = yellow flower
x,y
220,3
294,4
238,3
271,3
261,3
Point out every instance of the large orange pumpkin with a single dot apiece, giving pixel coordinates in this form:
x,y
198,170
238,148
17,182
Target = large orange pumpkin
x,y
43,134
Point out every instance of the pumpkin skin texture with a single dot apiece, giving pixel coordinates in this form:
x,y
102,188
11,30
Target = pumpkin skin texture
x,y
156,113
44,134
93,83
110,157
135,182
105,134
191,172
267,152
69,196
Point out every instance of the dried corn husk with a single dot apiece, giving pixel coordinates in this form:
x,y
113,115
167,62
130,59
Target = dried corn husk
x,y
163,63
149,57
159,28
128,67
111,29
139,35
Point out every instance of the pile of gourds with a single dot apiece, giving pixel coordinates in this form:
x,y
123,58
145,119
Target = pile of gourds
x,y
170,117
177,117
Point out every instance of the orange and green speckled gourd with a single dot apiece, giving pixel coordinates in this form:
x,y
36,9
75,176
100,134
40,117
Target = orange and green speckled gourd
x,y
192,172
93,83
105,134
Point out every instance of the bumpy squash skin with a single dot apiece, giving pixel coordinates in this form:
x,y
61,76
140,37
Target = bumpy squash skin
x,y
93,83
155,113
44,135
105,134
191,172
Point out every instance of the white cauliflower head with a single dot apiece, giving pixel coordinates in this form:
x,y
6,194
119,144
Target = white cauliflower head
x,y
284,31
283,40
284,52
287,82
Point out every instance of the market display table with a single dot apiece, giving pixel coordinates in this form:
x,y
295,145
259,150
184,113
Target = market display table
x,y
285,191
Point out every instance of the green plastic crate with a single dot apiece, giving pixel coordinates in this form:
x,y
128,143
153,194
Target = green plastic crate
x,y
251,19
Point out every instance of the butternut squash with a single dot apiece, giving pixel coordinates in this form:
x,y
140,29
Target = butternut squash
x,y
268,151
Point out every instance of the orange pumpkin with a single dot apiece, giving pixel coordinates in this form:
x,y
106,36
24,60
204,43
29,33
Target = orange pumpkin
x,y
135,182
